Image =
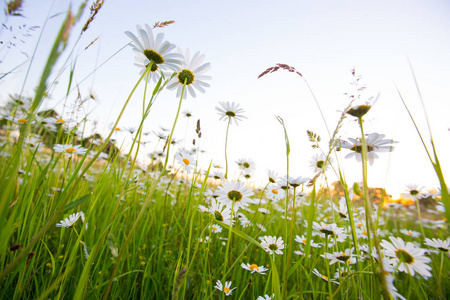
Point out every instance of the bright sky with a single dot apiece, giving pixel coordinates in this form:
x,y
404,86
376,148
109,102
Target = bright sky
x,y
323,40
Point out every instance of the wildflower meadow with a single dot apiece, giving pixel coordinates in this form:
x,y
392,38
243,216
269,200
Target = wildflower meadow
x,y
84,216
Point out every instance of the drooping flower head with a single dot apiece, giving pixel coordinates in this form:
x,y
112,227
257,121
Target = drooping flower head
x,y
148,49
191,74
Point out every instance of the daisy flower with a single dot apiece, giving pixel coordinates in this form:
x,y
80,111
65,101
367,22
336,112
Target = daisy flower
x,y
234,193
374,142
215,228
271,244
317,163
272,176
69,149
275,193
325,278
148,49
226,289
266,297
411,233
441,245
344,257
296,182
414,192
191,74
254,268
70,221
246,164
185,159
330,229
221,212
230,111
302,240
216,175
408,257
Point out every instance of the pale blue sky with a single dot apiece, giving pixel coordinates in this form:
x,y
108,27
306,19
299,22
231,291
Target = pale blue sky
x,y
323,40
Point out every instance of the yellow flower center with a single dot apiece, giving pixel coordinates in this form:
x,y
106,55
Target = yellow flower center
x,y
275,191
71,150
186,76
117,129
22,120
410,233
214,228
304,241
404,256
60,121
186,161
253,267
324,277
226,290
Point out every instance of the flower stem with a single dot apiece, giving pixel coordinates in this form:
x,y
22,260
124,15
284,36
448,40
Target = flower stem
x,y
226,143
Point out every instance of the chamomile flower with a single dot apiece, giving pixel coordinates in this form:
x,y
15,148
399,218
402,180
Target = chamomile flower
x,y
69,149
272,245
325,278
317,163
226,289
302,240
234,193
221,212
408,257
191,74
185,159
441,245
275,193
414,192
215,228
411,233
254,268
70,221
149,49
346,256
230,111
266,297
330,229
375,142
246,164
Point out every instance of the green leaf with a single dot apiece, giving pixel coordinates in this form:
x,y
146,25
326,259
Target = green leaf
x,y
76,202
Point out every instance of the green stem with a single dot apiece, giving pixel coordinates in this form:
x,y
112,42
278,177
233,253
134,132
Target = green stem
x,y
226,143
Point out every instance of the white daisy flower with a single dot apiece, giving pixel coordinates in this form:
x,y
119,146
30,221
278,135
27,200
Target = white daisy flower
x,y
185,159
226,289
271,244
191,74
221,212
275,193
215,228
330,229
148,49
70,221
266,297
325,278
414,192
344,257
441,245
69,149
411,233
246,164
230,111
408,257
302,240
254,268
234,194
374,142
317,163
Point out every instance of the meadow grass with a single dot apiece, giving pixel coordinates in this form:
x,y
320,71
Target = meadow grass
x,y
84,219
